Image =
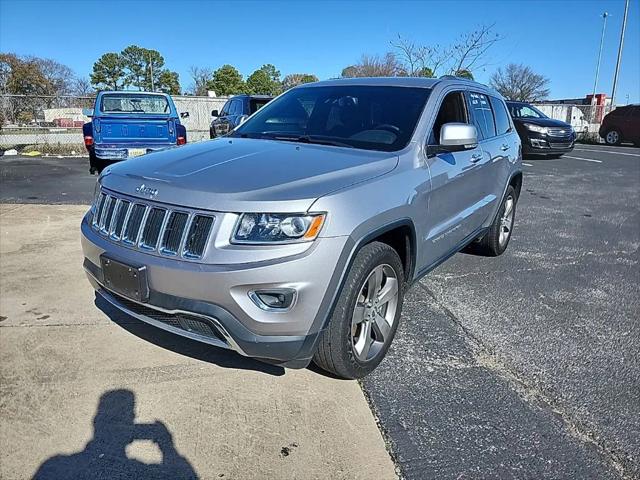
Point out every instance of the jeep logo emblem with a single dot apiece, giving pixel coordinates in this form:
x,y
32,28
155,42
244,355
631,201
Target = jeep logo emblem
x,y
144,190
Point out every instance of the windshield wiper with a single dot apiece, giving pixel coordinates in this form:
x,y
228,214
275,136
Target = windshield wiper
x,y
311,139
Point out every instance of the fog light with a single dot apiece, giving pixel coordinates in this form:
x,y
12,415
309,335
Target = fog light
x,y
538,143
275,299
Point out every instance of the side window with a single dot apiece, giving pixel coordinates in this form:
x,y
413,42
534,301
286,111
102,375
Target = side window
x,y
238,107
233,106
482,115
452,110
503,123
225,110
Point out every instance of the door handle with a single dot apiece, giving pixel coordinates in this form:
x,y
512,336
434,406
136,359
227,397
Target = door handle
x,y
476,157
504,147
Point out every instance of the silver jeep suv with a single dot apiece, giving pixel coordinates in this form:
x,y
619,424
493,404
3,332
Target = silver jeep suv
x,y
295,237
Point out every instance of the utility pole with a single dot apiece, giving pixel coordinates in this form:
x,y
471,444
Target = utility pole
x,y
615,77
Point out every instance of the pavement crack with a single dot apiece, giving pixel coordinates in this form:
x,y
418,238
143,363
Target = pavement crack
x,y
486,357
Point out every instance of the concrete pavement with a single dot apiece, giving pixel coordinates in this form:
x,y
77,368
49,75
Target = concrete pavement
x,y
81,389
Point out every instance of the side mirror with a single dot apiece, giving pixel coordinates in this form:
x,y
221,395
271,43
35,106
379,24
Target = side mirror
x,y
214,113
242,118
184,114
455,137
87,112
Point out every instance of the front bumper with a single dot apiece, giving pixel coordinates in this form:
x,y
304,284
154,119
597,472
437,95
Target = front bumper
x,y
210,303
542,144
121,152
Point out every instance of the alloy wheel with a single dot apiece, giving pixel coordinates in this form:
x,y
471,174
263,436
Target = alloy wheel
x,y
506,221
613,137
374,313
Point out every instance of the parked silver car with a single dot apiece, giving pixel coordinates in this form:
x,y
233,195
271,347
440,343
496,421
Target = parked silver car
x,y
295,237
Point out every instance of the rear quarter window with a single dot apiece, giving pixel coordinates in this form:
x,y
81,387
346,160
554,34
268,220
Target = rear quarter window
x,y
503,122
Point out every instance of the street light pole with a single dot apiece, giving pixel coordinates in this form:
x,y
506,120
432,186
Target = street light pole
x,y
615,77
595,84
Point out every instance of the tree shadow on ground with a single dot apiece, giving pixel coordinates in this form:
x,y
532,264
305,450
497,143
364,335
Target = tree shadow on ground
x,y
182,345
105,456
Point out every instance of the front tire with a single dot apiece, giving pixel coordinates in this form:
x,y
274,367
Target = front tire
x,y
366,316
613,137
496,240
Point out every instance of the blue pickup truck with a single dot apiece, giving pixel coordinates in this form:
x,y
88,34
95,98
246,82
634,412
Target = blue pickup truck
x,y
129,124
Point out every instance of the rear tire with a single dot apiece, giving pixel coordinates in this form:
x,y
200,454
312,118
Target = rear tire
x,y
363,324
613,137
96,165
496,240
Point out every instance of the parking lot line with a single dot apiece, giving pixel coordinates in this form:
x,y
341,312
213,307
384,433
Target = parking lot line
x,y
527,164
583,159
606,151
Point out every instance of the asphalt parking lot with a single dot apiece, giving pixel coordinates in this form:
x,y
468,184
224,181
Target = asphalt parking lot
x,y
522,366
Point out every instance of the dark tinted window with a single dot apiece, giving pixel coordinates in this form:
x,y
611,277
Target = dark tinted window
x,y
359,116
482,115
452,110
503,124
257,103
225,109
524,110
236,107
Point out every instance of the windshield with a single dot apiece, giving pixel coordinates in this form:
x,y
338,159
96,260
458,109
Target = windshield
x,y
134,103
357,116
522,110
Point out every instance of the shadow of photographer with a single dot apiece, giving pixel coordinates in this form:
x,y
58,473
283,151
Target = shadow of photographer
x,y
105,456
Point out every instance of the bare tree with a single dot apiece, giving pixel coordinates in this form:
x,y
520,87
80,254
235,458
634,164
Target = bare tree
x,y
60,77
469,53
82,87
518,82
199,77
376,66
408,58
420,60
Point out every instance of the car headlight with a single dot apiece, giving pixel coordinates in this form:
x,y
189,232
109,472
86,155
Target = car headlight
x,y
535,128
277,228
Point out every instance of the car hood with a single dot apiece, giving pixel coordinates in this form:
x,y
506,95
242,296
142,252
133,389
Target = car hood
x,y
543,122
254,175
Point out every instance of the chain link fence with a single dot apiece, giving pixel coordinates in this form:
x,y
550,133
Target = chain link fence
x,y
53,124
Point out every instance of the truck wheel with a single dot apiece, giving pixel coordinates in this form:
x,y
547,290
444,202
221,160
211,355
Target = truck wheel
x,y
366,316
96,165
495,241
613,137
93,163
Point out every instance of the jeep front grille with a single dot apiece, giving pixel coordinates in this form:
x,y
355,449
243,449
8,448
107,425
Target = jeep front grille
x,y
151,227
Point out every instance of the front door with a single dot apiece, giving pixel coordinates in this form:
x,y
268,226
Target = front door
x,y
453,201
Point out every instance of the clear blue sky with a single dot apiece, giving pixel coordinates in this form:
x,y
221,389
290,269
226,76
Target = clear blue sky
x,y
556,38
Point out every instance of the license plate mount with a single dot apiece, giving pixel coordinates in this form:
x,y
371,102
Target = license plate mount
x,y
127,280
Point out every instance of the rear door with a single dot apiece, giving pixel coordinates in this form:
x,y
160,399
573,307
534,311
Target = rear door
x,y
496,148
630,124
